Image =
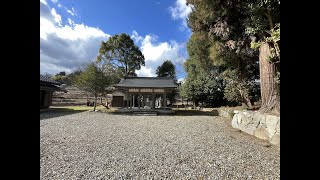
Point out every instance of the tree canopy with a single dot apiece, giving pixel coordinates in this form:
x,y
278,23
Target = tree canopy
x,y
94,79
121,51
167,69
228,37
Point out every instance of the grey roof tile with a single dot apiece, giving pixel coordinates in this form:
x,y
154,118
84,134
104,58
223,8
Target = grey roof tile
x,y
48,80
148,82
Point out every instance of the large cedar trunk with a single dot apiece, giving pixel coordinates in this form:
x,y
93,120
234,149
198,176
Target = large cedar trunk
x,y
270,90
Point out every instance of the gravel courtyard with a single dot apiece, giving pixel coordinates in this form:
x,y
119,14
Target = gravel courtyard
x,y
91,145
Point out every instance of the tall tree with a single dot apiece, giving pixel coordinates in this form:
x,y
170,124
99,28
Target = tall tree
x,y
202,85
70,78
203,82
94,80
235,25
121,51
167,69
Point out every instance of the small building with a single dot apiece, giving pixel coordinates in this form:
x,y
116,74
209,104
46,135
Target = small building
x,y
119,98
47,87
143,92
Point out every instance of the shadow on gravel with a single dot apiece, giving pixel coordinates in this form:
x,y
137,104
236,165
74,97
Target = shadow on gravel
x,y
56,112
196,113
177,113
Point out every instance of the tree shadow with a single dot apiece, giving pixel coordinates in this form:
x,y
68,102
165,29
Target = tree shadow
x,y
56,112
193,112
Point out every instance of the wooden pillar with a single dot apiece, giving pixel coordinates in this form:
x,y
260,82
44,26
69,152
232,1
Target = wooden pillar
x,y
152,106
139,99
164,100
130,101
143,101
127,99
133,101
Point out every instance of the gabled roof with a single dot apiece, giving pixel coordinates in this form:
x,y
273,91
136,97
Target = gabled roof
x,y
46,79
147,82
47,84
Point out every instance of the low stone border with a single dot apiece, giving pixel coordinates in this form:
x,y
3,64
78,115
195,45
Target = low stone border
x,y
263,126
226,112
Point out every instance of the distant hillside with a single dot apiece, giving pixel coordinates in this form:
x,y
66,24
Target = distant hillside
x,y
74,96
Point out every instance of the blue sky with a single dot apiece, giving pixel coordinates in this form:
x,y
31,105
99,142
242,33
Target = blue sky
x,y
71,31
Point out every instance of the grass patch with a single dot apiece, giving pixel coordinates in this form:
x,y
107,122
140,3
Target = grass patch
x,y
77,108
56,111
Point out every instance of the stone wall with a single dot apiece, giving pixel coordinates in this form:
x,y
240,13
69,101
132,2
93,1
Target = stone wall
x,y
226,112
263,126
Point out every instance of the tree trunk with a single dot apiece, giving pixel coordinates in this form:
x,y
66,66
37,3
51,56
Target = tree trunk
x,y
245,99
247,102
270,90
194,103
126,73
95,102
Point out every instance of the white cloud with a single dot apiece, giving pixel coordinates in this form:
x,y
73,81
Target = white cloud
x,y
44,2
135,36
54,1
52,68
180,11
57,17
181,80
72,11
155,53
145,72
65,46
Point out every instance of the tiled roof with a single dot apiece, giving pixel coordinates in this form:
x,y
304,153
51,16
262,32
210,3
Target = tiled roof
x,y
48,80
47,84
51,88
148,82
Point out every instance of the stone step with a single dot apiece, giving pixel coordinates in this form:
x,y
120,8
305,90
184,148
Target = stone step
x,y
145,113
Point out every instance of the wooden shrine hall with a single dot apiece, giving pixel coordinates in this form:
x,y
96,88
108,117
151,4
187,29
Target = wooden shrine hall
x,y
143,93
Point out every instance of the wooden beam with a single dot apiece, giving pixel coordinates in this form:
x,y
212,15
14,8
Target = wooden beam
x,y
152,106
139,99
164,101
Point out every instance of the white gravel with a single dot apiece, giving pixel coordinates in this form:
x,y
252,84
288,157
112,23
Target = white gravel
x,y
91,145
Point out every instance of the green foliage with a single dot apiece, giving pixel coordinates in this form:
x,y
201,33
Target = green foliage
x,y
202,85
236,88
59,78
274,40
64,78
69,79
198,50
62,73
94,79
167,69
121,51
226,37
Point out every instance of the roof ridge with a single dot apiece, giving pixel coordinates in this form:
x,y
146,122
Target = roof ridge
x,y
48,79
